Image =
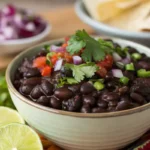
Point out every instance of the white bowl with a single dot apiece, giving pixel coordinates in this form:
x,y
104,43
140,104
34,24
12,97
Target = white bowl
x,y
14,46
104,29
78,131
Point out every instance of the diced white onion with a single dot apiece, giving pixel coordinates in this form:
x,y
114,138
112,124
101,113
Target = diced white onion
x,y
58,65
116,57
77,60
55,48
117,73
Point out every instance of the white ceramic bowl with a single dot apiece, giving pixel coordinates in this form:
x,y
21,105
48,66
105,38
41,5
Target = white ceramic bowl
x,y
14,46
104,29
77,131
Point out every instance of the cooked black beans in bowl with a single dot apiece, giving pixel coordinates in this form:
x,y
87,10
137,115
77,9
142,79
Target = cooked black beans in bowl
x,y
86,75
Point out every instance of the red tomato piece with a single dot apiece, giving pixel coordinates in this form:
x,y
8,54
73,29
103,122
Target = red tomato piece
x,y
39,62
102,71
54,59
68,57
46,71
107,62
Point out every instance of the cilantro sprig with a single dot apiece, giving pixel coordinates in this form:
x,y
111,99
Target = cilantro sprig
x,y
82,71
66,80
94,50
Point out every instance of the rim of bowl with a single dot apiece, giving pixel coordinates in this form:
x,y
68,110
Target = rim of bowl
x,y
62,112
82,14
41,35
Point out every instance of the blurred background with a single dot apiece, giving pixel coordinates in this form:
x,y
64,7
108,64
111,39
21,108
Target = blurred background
x,y
39,5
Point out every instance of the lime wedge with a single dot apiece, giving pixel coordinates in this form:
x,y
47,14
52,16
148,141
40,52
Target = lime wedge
x,y
8,116
17,136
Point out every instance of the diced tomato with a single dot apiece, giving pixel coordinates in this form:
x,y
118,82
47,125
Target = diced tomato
x,y
65,45
107,62
60,54
68,57
54,59
102,71
39,62
46,71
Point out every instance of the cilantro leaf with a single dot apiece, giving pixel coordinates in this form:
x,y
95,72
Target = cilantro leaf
x,y
48,61
107,46
75,45
66,80
71,81
93,49
82,71
77,73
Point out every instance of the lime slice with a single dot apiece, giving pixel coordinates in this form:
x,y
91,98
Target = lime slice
x,y
17,136
8,116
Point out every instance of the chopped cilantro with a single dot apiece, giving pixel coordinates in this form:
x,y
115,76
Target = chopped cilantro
x,y
75,45
121,51
48,61
107,46
82,71
94,50
66,80
47,48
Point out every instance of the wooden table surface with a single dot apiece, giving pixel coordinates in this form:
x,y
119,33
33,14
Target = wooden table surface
x,y
64,22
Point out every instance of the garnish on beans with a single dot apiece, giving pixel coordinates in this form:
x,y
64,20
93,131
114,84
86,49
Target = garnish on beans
x,y
86,75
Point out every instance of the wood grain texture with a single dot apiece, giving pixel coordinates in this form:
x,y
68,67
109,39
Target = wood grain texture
x,y
64,23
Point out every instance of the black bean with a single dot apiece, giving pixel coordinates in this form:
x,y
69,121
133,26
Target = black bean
x,y
55,103
63,93
43,100
26,89
56,75
112,103
123,90
95,94
87,88
112,96
112,85
137,98
111,109
129,74
123,105
131,49
47,87
109,76
98,110
89,100
148,98
102,104
65,105
73,104
17,84
86,109
124,98
32,81
142,86
75,88
32,72
144,65
66,72
36,92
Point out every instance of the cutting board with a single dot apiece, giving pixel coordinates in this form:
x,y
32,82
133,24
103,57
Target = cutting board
x,y
64,22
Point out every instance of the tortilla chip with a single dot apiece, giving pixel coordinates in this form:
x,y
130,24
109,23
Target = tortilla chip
x,y
135,19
